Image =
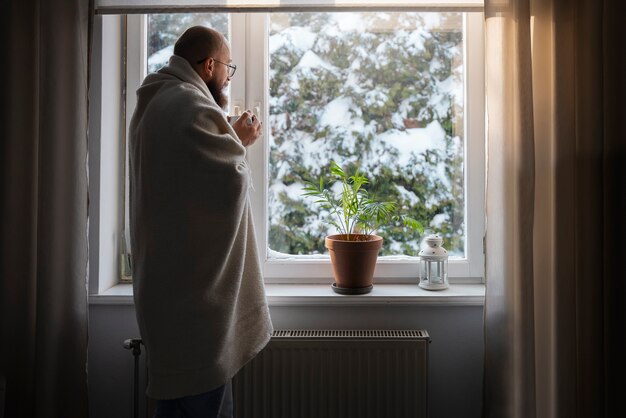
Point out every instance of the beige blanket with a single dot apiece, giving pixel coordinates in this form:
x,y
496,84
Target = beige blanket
x,y
198,289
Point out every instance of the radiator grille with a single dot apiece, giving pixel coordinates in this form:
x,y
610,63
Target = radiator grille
x,y
336,374
350,334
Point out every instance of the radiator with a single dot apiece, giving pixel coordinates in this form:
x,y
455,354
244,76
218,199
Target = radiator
x,y
336,374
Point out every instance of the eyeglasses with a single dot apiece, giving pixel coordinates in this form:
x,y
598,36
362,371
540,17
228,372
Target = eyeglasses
x,y
231,67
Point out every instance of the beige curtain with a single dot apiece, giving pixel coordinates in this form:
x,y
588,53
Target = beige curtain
x,y
556,219
43,207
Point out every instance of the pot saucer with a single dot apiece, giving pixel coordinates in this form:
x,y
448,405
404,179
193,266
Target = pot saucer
x,y
351,290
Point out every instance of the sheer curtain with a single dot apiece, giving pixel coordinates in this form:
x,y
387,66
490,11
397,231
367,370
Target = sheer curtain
x,y
43,207
554,314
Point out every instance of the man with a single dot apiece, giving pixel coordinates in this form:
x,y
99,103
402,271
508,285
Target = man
x,y
197,282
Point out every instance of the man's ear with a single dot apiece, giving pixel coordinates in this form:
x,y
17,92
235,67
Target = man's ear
x,y
209,67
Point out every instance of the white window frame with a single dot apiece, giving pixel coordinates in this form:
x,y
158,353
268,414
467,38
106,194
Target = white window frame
x,y
106,163
250,90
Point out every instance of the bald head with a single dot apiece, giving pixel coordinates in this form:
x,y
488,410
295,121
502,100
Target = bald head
x,y
208,53
198,43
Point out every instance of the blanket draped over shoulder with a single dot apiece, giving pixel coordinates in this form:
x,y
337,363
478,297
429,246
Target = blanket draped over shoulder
x,y
198,288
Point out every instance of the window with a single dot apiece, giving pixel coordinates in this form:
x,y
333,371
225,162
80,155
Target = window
x,y
381,91
399,94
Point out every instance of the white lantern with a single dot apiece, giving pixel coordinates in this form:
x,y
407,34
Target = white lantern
x,y
433,264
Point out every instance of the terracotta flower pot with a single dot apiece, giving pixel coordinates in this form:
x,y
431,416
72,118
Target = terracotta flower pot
x,y
354,261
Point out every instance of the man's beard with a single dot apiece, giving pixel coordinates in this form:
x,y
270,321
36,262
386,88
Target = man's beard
x,y
218,93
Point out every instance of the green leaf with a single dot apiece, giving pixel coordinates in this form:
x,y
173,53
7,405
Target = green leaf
x,y
353,209
337,170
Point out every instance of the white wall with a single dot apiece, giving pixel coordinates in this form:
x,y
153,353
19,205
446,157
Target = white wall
x,y
455,363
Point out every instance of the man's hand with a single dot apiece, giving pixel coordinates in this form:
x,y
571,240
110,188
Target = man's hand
x,y
248,128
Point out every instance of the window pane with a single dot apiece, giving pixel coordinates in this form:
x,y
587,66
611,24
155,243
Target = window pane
x,y
383,91
164,30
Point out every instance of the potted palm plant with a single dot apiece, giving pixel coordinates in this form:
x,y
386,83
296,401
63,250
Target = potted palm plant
x,y
356,216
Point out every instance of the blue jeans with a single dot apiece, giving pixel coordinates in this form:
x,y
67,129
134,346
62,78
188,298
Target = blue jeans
x,y
217,403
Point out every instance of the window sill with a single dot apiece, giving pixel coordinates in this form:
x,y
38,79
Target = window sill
x,y
322,295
